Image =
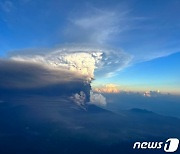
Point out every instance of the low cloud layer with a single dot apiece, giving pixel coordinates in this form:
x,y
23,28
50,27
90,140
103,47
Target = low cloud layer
x,y
161,103
152,93
108,88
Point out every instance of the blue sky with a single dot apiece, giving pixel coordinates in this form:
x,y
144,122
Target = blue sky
x,y
148,30
158,74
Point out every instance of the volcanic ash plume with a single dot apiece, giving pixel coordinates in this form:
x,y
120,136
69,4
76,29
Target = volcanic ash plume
x,y
81,61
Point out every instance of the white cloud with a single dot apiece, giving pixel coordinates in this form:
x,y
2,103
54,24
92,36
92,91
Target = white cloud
x,y
82,60
106,26
97,99
108,88
152,93
79,99
96,26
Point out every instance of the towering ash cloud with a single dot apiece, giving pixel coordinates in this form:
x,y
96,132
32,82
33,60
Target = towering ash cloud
x,y
82,60
75,63
78,62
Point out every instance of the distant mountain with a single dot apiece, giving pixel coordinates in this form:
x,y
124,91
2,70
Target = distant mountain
x,y
136,110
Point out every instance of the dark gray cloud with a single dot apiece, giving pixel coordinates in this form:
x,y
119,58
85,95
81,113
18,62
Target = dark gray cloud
x,y
28,78
28,75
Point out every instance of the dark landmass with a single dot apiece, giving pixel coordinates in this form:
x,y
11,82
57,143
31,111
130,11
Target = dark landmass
x,y
53,125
